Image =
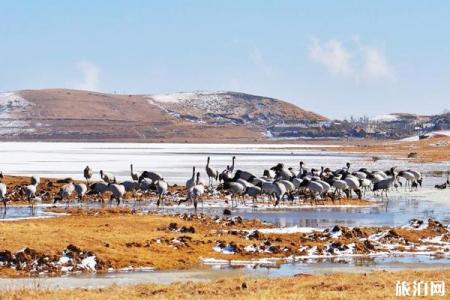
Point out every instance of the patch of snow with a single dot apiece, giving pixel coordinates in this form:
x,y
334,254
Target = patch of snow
x,y
287,230
416,224
429,134
10,104
251,248
89,263
385,118
228,249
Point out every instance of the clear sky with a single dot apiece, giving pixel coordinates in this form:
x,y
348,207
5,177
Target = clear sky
x,y
337,58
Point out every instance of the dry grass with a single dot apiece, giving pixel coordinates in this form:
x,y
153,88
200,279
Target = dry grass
x,y
435,149
121,238
377,285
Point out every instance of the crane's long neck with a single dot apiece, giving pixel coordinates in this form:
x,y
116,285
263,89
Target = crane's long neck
x,y
232,164
207,162
193,173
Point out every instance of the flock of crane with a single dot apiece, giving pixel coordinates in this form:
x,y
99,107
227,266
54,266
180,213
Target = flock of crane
x,y
278,183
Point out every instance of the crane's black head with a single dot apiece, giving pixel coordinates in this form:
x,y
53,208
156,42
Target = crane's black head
x,y
278,167
348,165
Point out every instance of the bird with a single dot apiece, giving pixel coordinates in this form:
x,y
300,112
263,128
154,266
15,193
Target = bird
x,y
107,177
87,174
35,180
98,188
80,189
282,172
444,185
385,184
353,185
194,193
130,186
408,176
146,186
150,175
65,192
314,186
226,175
30,190
339,186
231,168
134,175
418,176
253,191
279,192
161,189
191,181
117,192
235,189
212,174
3,190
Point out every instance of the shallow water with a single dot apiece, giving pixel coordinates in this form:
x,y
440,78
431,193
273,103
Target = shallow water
x,y
402,206
226,271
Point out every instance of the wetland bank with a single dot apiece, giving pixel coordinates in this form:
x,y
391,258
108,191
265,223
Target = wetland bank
x,y
133,243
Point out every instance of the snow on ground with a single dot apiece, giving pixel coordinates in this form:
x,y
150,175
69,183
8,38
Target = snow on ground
x,y
288,230
385,118
385,242
182,96
429,134
9,104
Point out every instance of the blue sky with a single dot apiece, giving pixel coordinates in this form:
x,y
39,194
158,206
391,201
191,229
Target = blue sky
x,y
337,58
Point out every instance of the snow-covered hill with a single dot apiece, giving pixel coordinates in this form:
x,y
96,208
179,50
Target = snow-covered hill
x,y
231,108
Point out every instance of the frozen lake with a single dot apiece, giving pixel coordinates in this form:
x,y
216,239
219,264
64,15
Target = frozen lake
x,y
173,161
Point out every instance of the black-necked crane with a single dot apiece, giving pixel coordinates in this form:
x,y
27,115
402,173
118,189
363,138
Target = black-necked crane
x,y
3,191
444,185
98,189
87,172
231,168
161,189
253,191
107,177
195,193
153,176
212,174
80,190
409,177
117,192
385,184
30,190
65,192
191,181
236,189
134,175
